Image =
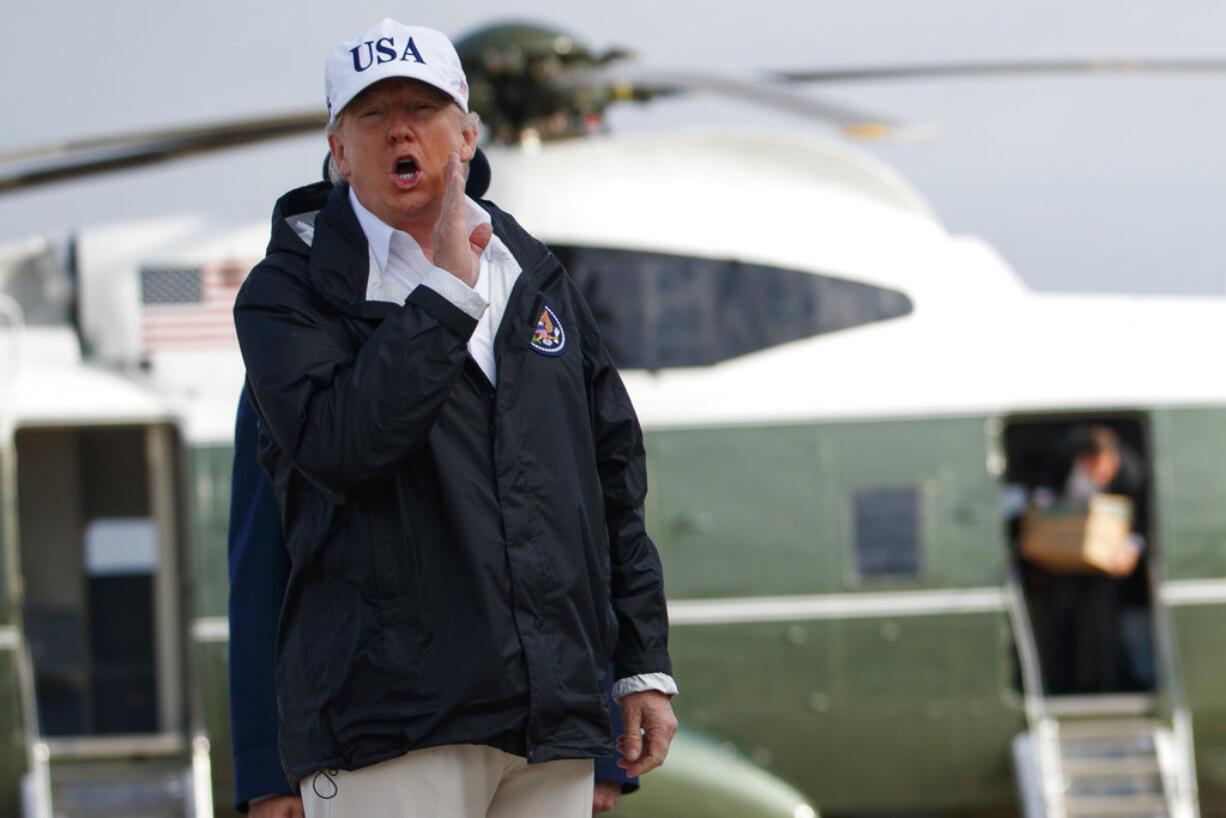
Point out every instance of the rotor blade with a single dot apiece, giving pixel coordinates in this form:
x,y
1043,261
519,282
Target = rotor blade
x,y
1194,65
259,125
87,157
648,85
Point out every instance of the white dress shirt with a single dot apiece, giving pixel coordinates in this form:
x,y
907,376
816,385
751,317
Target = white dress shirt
x,y
397,265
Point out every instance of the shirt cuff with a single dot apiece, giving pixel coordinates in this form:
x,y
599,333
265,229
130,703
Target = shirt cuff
x,y
643,682
457,292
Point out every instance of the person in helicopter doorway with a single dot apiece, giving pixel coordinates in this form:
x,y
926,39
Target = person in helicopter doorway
x,y
1097,628
460,475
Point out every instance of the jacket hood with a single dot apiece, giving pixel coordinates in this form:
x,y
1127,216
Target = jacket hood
x,y
316,224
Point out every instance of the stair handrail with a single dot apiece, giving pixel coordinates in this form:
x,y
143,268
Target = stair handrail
x,y
38,756
1042,726
1170,686
201,777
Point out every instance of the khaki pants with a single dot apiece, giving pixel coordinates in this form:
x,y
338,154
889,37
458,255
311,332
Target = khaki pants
x,y
454,781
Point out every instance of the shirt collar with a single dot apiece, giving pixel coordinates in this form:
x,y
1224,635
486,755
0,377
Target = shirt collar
x,y
379,233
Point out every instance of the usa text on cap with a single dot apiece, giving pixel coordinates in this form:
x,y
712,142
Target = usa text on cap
x,y
392,49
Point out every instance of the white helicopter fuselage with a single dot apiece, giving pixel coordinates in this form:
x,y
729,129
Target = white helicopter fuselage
x,y
753,458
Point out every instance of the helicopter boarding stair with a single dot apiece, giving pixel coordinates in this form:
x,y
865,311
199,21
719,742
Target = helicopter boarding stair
x,y
1103,755
139,776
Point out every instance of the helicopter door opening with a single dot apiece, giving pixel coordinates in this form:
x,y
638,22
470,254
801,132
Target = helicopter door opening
x,y
1107,730
101,609
1093,627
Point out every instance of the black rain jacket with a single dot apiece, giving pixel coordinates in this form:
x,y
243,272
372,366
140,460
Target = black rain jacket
x,y
465,559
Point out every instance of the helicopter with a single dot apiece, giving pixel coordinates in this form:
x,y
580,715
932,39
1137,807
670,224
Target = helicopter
x,y
833,423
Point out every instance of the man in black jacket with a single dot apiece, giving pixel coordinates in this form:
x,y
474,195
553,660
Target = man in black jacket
x,y
460,474
259,569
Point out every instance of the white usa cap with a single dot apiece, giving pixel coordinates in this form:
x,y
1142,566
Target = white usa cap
x,y
392,49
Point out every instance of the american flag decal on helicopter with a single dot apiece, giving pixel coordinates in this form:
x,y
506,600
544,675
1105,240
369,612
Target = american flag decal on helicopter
x,y
188,307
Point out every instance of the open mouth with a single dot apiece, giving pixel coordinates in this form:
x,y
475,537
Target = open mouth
x,y
406,170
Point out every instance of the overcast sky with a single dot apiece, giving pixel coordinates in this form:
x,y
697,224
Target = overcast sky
x,y
1087,183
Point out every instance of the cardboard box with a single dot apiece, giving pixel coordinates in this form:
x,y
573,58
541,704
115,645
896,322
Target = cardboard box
x,y
1091,539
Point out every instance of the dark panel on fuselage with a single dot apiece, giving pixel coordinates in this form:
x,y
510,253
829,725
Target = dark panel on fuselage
x,y
887,532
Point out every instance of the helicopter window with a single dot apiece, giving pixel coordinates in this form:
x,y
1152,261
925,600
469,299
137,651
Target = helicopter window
x,y
887,525
658,310
170,285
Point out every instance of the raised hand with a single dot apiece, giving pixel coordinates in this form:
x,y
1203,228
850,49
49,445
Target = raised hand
x,y
455,249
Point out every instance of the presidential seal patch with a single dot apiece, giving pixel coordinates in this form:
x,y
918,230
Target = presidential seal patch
x,y
549,338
